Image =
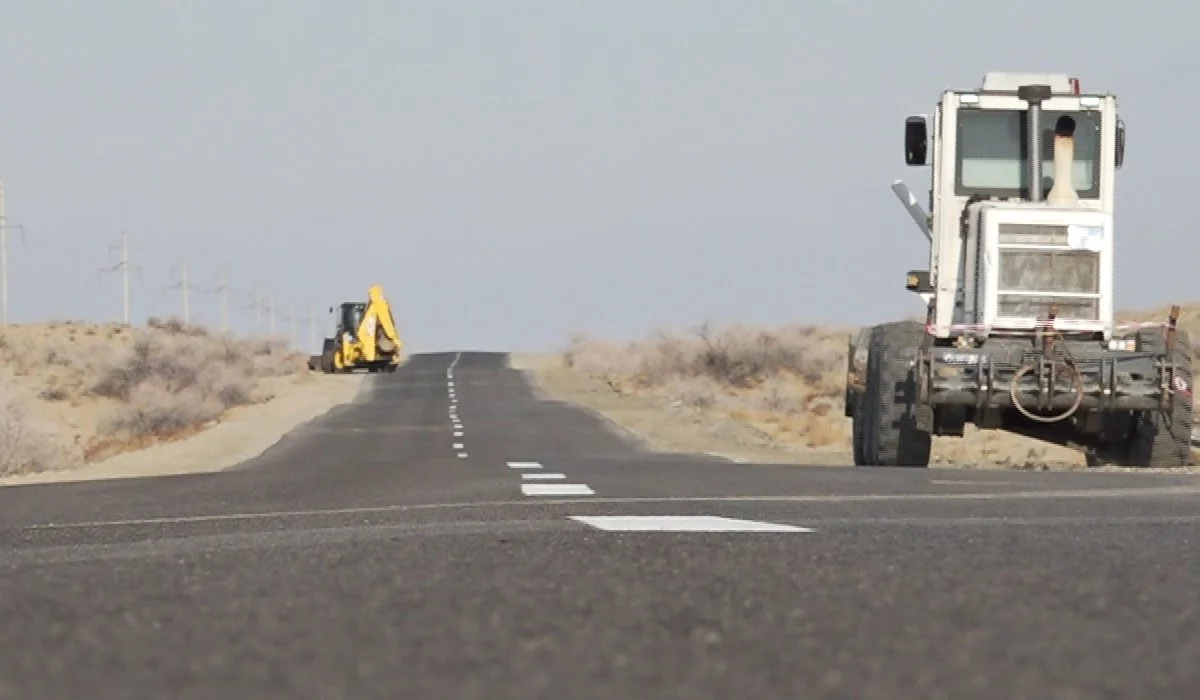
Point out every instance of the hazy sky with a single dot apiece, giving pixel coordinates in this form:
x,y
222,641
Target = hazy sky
x,y
513,171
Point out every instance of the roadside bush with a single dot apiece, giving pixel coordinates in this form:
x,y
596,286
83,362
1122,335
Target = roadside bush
x,y
176,377
790,378
26,444
737,356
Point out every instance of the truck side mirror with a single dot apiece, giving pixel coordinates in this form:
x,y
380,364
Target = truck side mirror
x,y
916,139
1120,142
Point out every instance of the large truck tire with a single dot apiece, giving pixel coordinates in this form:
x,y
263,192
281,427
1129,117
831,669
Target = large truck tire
x,y
857,429
327,350
896,428
1162,439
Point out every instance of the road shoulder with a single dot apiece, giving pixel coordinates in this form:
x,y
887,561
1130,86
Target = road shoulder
x,y
242,434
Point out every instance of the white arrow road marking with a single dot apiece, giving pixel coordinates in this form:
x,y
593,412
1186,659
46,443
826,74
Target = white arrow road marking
x,y
681,523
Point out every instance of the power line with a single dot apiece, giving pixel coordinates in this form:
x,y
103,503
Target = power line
x,y
257,305
4,227
223,289
124,267
186,287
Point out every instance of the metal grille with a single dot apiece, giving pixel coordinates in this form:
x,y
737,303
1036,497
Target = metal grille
x,y
1038,269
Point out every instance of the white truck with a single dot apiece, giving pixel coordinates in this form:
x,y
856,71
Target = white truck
x,y
1019,332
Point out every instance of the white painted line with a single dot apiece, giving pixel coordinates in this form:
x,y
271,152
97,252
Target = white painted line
x,y
556,490
458,433
524,465
458,445
542,476
457,425
450,383
682,523
462,455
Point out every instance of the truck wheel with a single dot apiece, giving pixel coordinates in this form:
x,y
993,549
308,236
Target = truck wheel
x,y
857,431
327,362
1162,439
897,429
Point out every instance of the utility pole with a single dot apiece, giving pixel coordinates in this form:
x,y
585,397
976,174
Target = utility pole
x,y
124,266
186,287
3,254
258,308
4,226
223,289
312,331
290,317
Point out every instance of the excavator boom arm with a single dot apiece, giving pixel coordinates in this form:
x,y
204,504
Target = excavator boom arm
x,y
378,317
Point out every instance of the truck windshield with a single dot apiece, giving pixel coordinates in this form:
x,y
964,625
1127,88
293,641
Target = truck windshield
x,y
993,152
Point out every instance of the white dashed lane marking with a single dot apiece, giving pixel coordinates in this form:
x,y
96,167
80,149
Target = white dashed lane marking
x,y
556,490
453,412
681,523
547,489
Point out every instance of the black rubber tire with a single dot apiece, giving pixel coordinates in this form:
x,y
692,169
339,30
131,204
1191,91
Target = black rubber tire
x,y
328,347
1162,439
896,429
857,430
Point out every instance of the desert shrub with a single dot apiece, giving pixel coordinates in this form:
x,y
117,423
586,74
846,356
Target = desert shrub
x,y
791,377
175,377
26,444
737,356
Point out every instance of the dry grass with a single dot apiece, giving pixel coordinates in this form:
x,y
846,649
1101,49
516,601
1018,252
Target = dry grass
x,y
77,392
788,383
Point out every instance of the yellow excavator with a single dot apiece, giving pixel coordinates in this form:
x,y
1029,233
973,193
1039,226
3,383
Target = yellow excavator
x,y
366,336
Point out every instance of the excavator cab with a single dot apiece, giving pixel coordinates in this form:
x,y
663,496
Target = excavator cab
x,y
351,318
365,336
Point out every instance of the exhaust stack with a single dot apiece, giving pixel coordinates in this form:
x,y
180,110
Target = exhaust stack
x,y
1062,194
1034,95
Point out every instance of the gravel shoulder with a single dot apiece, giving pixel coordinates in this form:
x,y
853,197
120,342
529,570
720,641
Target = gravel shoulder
x,y
242,434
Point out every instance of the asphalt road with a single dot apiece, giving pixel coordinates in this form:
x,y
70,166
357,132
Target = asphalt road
x,y
383,552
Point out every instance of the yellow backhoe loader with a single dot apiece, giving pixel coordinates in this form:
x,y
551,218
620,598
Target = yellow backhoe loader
x,y
366,336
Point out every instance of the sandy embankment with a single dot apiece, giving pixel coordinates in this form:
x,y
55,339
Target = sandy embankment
x,y
242,434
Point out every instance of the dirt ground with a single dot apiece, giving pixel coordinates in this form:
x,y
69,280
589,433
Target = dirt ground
x,y
90,401
241,434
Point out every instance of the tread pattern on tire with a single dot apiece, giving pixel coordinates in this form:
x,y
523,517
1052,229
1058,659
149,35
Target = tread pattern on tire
x,y
1163,439
892,433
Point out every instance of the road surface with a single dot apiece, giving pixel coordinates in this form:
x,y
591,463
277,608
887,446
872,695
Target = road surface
x,y
452,536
